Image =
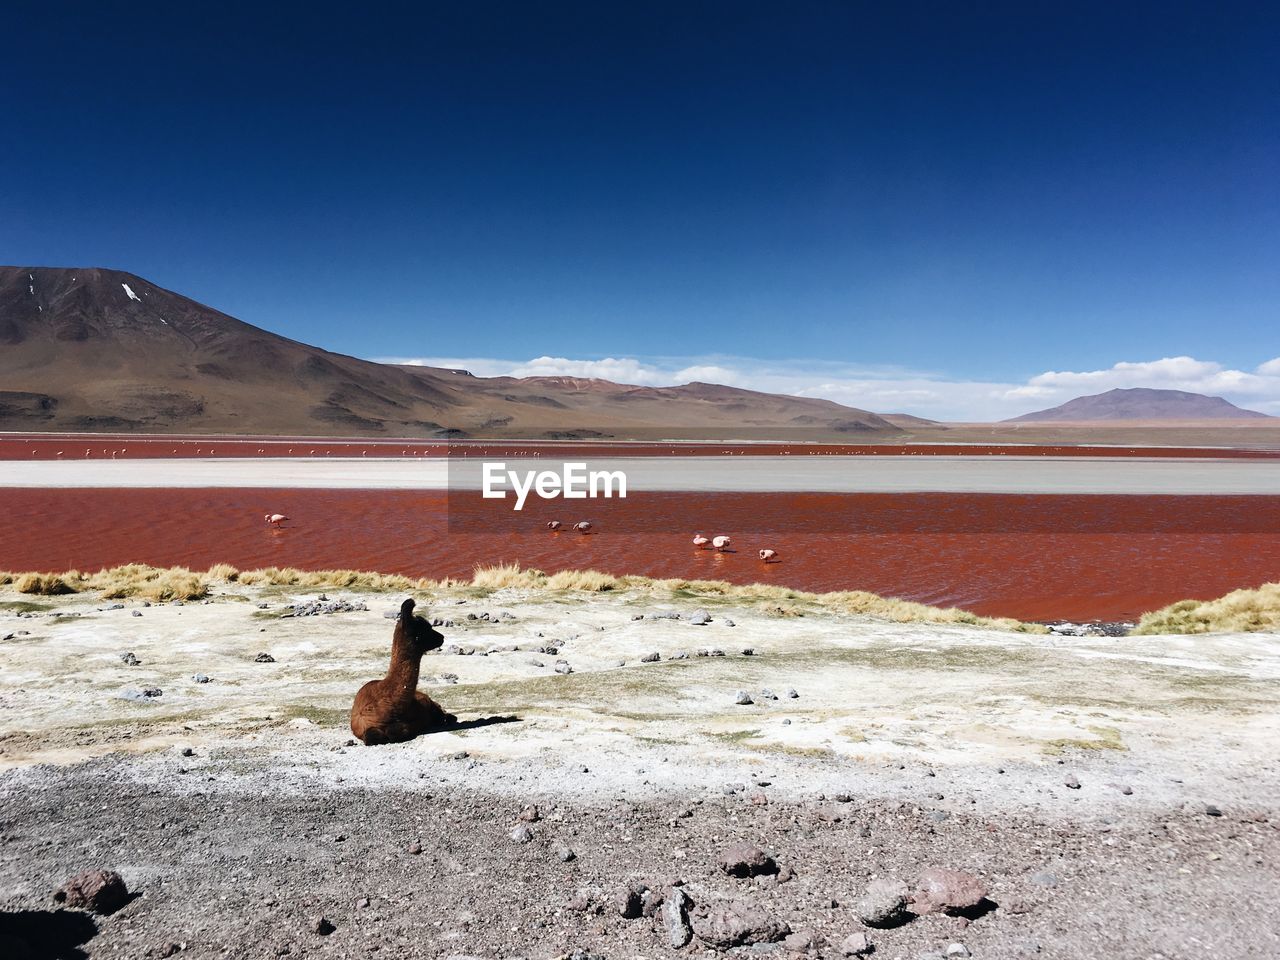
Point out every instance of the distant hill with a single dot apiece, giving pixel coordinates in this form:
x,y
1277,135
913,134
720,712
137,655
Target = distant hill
x,y
1142,403
102,350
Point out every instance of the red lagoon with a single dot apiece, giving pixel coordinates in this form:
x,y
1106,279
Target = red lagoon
x,y
1031,557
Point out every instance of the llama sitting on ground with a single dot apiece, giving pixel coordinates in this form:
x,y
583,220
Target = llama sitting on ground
x,y
392,710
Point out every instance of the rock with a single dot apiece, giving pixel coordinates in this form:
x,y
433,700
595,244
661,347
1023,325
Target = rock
x,y
1045,879
748,651
956,950
650,658
100,891
882,904
563,668
1212,811
802,941
742,698
680,655
675,918
529,814
188,752
637,616
791,694
715,652
768,694
565,853
324,927
942,889
138,613
414,848
168,949
746,860
728,623
201,678
738,924
698,618
266,658
855,945
146,693
1127,790
130,659
1071,782
629,901
521,834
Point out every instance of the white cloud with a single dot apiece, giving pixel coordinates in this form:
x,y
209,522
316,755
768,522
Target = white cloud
x,y
898,390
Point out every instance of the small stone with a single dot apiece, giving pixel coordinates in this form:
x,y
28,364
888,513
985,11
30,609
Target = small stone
x,y
521,834
1127,790
566,854
563,668
746,860
742,698
201,678
791,694
883,902
675,918
956,950
650,657
1071,782
168,949
362,903
138,613
130,659
1211,810
739,924
729,623
748,651
1044,878
188,752
856,945
530,814
698,618
629,901
324,927
942,889
268,658
101,891
414,848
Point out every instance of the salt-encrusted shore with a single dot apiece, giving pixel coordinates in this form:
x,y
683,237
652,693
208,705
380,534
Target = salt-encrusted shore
x,y
1115,796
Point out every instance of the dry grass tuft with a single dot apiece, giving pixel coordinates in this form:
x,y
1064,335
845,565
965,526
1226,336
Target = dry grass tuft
x,y
500,576
338,579
149,583
223,571
47,584
592,581
1241,611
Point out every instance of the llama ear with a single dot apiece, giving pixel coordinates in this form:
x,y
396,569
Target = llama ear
x,y
406,609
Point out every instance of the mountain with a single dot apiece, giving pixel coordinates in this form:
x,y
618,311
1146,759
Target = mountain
x,y
1142,403
107,351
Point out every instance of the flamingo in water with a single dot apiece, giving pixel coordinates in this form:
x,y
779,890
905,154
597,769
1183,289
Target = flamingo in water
x,y
553,525
583,526
275,519
700,541
720,543
769,556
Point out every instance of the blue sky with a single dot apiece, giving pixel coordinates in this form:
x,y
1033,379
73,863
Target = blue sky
x,y
929,203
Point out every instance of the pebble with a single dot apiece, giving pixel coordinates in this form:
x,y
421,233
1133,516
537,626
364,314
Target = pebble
x,y
200,678
675,918
698,618
856,945
791,694
566,854
742,698
414,848
1127,790
729,623
1045,879
768,694
1211,810
943,889
264,658
748,651
521,834
746,860
883,902
650,657
324,926
563,668
137,613
101,891
130,659
1072,783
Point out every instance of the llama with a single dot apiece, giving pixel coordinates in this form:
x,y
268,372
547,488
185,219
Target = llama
x,y
393,709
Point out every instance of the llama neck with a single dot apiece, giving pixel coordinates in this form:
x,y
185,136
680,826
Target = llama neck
x,y
402,676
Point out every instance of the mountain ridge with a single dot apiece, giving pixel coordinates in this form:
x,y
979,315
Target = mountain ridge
x,y
1140,403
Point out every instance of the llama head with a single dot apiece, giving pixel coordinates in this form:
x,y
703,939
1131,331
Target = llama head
x,y
419,633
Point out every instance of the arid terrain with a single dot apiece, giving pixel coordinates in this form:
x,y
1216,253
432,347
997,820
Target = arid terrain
x,y
1113,797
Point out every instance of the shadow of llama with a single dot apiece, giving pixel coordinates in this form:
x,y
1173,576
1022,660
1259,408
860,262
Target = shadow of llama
x,y
393,709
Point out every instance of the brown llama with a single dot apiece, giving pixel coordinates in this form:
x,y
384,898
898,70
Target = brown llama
x,y
393,709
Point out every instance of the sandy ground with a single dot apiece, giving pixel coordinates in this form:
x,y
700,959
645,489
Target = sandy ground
x,y
241,812
834,474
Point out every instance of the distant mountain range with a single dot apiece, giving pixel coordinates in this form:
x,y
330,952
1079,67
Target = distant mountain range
x,y
107,351
1142,403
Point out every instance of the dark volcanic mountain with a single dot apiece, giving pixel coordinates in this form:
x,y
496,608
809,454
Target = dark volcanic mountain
x,y
102,350
1142,403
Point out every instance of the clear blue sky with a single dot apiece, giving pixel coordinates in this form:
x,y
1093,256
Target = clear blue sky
x,y
989,190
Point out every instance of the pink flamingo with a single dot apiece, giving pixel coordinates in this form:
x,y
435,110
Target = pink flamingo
x,y
720,543
583,526
553,524
700,541
769,556
275,519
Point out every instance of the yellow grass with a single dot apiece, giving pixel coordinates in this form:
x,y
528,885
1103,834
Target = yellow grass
x,y
1241,611
136,580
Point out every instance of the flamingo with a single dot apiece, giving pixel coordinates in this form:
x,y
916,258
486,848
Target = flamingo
x,y
700,541
769,556
553,524
720,543
583,526
275,519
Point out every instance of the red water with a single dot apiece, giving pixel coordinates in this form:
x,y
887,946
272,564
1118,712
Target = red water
x,y
132,447
979,556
